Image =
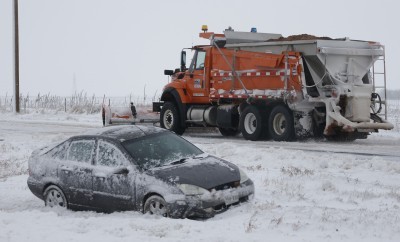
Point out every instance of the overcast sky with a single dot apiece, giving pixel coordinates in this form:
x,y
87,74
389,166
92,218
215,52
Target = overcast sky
x,y
117,47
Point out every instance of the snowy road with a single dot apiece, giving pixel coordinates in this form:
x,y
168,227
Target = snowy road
x,y
305,191
39,128
374,146
380,147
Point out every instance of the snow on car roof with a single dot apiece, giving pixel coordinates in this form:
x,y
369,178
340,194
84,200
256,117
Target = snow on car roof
x,y
124,132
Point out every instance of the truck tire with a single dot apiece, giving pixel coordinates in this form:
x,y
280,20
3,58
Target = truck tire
x,y
170,119
281,124
228,131
251,123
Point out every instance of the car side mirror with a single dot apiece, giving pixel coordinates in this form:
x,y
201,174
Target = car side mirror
x,y
121,171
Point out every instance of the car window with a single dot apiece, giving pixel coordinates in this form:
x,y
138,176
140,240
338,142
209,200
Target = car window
x,y
109,155
81,151
59,152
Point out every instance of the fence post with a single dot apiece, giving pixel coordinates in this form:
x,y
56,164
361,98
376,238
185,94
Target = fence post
x,y
65,104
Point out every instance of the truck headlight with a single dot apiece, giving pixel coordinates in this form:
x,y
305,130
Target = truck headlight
x,y
243,176
188,189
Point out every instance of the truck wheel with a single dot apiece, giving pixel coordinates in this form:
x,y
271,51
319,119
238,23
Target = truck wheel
x,y
281,124
251,123
169,118
228,131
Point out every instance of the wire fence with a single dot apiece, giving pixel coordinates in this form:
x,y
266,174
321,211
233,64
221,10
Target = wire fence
x,y
83,103
77,103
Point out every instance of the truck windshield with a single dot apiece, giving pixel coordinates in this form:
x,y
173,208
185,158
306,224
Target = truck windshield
x,y
158,149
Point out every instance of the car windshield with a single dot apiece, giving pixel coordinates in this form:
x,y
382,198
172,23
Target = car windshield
x,y
160,149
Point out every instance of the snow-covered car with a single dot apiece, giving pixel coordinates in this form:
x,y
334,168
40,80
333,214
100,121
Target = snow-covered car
x,y
141,168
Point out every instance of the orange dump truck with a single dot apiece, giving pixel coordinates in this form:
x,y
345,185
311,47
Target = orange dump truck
x,y
269,87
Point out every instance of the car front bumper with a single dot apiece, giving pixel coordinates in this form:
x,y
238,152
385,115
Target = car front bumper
x,y
215,202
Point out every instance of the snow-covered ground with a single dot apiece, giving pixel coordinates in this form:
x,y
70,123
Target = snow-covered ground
x,y
305,191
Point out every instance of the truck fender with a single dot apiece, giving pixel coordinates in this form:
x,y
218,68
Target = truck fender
x,y
171,94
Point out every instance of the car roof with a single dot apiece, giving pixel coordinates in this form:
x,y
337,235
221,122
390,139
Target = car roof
x,y
124,132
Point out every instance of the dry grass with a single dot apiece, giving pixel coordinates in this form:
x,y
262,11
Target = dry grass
x,y
80,102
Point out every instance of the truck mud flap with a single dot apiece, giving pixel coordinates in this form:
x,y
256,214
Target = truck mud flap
x,y
303,124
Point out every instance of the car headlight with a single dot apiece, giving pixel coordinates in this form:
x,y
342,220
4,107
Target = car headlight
x,y
188,189
243,176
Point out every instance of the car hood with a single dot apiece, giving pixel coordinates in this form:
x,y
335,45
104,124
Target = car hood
x,y
207,172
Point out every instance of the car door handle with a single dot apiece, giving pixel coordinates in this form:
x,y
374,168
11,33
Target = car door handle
x,y
99,176
66,169
89,195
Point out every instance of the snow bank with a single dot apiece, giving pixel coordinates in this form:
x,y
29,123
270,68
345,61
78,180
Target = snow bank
x,y
301,195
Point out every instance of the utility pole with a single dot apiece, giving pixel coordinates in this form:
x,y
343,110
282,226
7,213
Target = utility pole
x,y
16,58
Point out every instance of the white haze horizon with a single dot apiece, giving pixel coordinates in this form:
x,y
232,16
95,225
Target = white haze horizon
x,y
118,48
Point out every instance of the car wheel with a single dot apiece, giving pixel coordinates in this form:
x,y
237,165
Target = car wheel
x,y
54,197
251,123
281,124
156,205
169,118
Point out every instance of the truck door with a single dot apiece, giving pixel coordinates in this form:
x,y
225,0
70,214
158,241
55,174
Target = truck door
x,y
196,82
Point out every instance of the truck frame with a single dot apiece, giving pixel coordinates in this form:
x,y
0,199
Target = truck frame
x,y
269,87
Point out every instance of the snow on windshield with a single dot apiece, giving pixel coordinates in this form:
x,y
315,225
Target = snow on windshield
x,y
159,149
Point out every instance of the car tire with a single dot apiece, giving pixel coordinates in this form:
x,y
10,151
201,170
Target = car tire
x,y
170,119
54,197
281,124
156,205
251,123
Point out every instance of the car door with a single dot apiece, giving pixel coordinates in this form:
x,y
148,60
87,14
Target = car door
x,y
75,172
113,178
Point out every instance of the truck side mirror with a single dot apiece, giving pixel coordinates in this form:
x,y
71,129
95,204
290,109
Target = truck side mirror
x,y
168,72
183,60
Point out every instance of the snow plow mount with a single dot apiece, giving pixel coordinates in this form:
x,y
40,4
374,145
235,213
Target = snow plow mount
x,y
335,118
